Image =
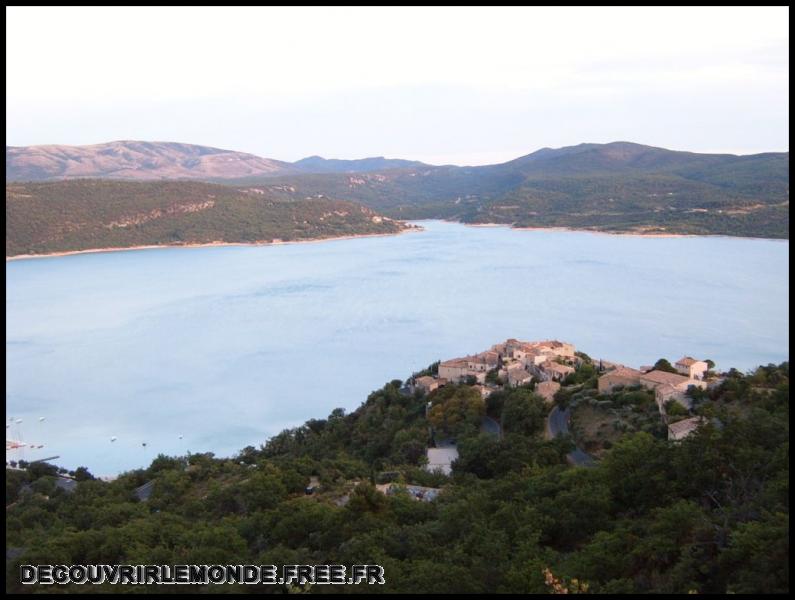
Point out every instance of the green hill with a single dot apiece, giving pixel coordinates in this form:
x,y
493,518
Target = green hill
x,y
621,187
79,214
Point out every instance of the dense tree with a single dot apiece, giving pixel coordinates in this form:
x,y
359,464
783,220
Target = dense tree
x,y
121,214
673,408
664,365
456,410
523,412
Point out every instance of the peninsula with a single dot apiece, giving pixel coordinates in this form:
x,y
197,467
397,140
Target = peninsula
x,y
86,215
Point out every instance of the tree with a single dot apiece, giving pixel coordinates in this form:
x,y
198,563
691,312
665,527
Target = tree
x,y
39,469
409,445
638,471
664,365
365,498
165,463
456,409
757,560
82,474
480,456
586,374
248,455
675,409
696,393
523,412
495,403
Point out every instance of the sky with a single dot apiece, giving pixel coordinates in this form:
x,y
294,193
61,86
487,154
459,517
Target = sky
x,y
443,85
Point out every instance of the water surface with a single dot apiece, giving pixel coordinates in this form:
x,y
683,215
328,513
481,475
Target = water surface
x,y
229,345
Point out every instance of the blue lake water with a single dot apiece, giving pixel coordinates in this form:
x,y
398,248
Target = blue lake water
x,y
229,345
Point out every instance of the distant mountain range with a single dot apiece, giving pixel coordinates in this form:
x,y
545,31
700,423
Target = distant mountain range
x,y
135,160
167,160
318,164
620,186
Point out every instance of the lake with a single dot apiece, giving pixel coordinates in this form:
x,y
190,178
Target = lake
x,y
226,346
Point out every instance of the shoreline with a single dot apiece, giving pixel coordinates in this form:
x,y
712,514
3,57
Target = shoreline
x,y
217,244
413,229
621,233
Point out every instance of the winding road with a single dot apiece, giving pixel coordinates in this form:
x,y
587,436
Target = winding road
x,y
558,424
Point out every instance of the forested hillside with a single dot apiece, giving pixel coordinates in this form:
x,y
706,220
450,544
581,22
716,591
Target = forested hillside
x,y
708,514
620,187
85,214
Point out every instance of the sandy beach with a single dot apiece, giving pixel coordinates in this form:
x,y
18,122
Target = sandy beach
x,y
621,233
276,242
597,232
573,229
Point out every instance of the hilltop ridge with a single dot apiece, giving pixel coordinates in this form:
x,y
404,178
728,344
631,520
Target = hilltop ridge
x,y
616,187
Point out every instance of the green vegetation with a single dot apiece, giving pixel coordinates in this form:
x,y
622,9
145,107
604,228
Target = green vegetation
x,y
675,409
85,214
618,187
651,205
664,365
523,412
585,374
598,421
456,410
709,514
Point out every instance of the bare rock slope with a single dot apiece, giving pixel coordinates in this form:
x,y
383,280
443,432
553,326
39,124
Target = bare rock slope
x,y
136,160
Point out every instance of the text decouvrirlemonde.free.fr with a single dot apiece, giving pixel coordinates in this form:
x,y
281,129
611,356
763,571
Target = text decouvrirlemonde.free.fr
x,y
202,574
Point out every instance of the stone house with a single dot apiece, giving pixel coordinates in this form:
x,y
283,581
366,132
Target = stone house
x,y
666,392
539,351
694,369
552,371
518,377
620,376
427,384
547,390
556,348
510,346
652,379
525,354
490,358
458,369
682,429
454,369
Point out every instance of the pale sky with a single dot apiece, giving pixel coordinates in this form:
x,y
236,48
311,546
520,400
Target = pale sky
x,y
443,85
